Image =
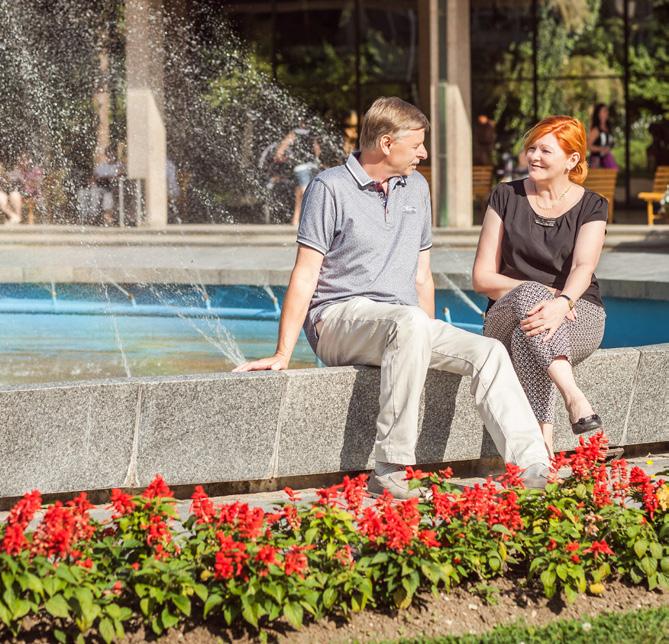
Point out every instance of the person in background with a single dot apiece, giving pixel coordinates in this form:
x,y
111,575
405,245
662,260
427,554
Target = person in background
x,y
26,178
301,149
539,246
11,202
484,140
600,139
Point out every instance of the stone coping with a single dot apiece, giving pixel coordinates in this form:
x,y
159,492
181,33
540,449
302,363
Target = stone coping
x,y
629,236
94,435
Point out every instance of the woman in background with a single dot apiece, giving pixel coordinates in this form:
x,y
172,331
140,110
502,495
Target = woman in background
x,y
600,139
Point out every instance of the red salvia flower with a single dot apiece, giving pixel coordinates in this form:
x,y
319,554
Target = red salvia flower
x,y
355,492
643,483
556,513
24,511
14,541
599,548
202,506
429,538
600,492
121,503
552,544
411,473
345,556
293,497
572,546
231,557
328,495
588,455
511,478
295,562
575,558
55,535
446,473
620,479
158,489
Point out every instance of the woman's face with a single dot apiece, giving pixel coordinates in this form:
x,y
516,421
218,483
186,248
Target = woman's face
x,y
546,160
604,114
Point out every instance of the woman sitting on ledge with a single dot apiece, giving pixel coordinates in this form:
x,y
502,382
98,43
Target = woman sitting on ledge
x,y
539,246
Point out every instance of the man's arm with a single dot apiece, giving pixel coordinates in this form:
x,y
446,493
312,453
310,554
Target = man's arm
x,y
425,283
301,287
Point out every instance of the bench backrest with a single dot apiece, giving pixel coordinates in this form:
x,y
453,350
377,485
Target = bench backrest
x,y
602,181
482,180
661,180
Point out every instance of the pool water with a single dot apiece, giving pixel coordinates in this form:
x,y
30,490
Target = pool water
x,y
74,332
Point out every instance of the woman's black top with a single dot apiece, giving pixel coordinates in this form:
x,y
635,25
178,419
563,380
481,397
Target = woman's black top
x,y
539,249
604,140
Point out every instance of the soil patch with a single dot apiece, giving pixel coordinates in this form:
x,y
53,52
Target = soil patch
x,y
459,612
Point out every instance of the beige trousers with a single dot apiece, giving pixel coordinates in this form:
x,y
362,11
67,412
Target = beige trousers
x,y
405,342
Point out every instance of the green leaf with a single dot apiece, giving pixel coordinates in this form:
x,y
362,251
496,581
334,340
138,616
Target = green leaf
x,y
571,594
310,535
648,565
380,557
60,636
58,607
201,591
168,619
145,606
5,615
548,578
20,608
182,603
211,603
401,598
106,629
250,611
329,597
293,612
52,585
640,547
656,550
562,571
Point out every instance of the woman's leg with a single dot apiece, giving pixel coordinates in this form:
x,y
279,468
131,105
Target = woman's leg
x,y
502,323
585,335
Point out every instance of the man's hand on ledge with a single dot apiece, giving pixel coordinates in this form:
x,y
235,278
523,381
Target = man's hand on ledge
x,y
276,363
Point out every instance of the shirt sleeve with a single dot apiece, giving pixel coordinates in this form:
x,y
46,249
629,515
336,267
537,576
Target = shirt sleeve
x,y
426,234
317,221
499,199
597,209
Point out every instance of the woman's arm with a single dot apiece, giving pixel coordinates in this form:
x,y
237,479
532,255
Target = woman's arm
x,y
548,315
588,249
486,278
592,137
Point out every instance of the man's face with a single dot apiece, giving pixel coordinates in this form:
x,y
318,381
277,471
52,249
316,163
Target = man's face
x,y
406,151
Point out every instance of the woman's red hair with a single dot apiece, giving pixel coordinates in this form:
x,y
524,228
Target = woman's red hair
x,y
571,136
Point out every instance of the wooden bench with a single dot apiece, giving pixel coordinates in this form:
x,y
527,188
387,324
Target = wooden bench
x,y
660,183
482,181
603,182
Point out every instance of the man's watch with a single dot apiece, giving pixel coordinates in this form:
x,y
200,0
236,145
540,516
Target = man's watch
x,y
566,297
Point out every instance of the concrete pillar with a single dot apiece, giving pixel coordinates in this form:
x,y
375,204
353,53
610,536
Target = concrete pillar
x,y
458,113
145,105
428,84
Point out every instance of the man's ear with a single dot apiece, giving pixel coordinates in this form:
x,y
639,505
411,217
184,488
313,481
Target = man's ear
x,y
385,142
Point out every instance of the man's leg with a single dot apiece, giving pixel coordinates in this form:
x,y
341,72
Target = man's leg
x,y
396,338
497,392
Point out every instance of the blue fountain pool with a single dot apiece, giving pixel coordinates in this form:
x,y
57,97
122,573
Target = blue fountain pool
x,y
72,332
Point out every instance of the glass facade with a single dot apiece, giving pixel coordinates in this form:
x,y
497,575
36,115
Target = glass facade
x,y
534,58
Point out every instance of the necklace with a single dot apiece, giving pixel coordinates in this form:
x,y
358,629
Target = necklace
x,y
555,202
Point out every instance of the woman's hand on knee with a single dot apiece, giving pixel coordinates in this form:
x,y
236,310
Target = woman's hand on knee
x,y
545,317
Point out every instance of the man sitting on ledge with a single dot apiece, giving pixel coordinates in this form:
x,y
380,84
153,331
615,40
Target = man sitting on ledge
x,y
363,282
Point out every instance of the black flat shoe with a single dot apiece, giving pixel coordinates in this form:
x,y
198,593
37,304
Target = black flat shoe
x,y
587,424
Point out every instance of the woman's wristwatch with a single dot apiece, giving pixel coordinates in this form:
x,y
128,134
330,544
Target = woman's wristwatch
x,y
566,297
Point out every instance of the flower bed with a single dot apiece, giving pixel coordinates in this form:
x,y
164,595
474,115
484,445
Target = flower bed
x,y
337,555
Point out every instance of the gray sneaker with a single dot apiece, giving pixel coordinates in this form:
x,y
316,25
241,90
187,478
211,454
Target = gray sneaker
x,y
535,477
395,483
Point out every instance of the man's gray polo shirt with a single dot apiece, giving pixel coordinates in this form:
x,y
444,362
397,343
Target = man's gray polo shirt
x,y
370,244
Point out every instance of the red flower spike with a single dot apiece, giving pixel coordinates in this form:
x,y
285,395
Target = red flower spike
x,y
121,503
295,562
202,506
328,495
446,473
511,478
293,497
24,511
414,474
575,559
355,492
572,546
599,548
14,541
158,489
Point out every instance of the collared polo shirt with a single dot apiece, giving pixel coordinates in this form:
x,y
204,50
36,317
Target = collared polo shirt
x,y
370,241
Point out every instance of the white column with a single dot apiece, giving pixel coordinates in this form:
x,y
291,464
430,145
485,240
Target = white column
x,y
145,101
458,115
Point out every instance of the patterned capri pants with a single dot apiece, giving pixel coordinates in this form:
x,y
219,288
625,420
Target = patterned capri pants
x,y
531,357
